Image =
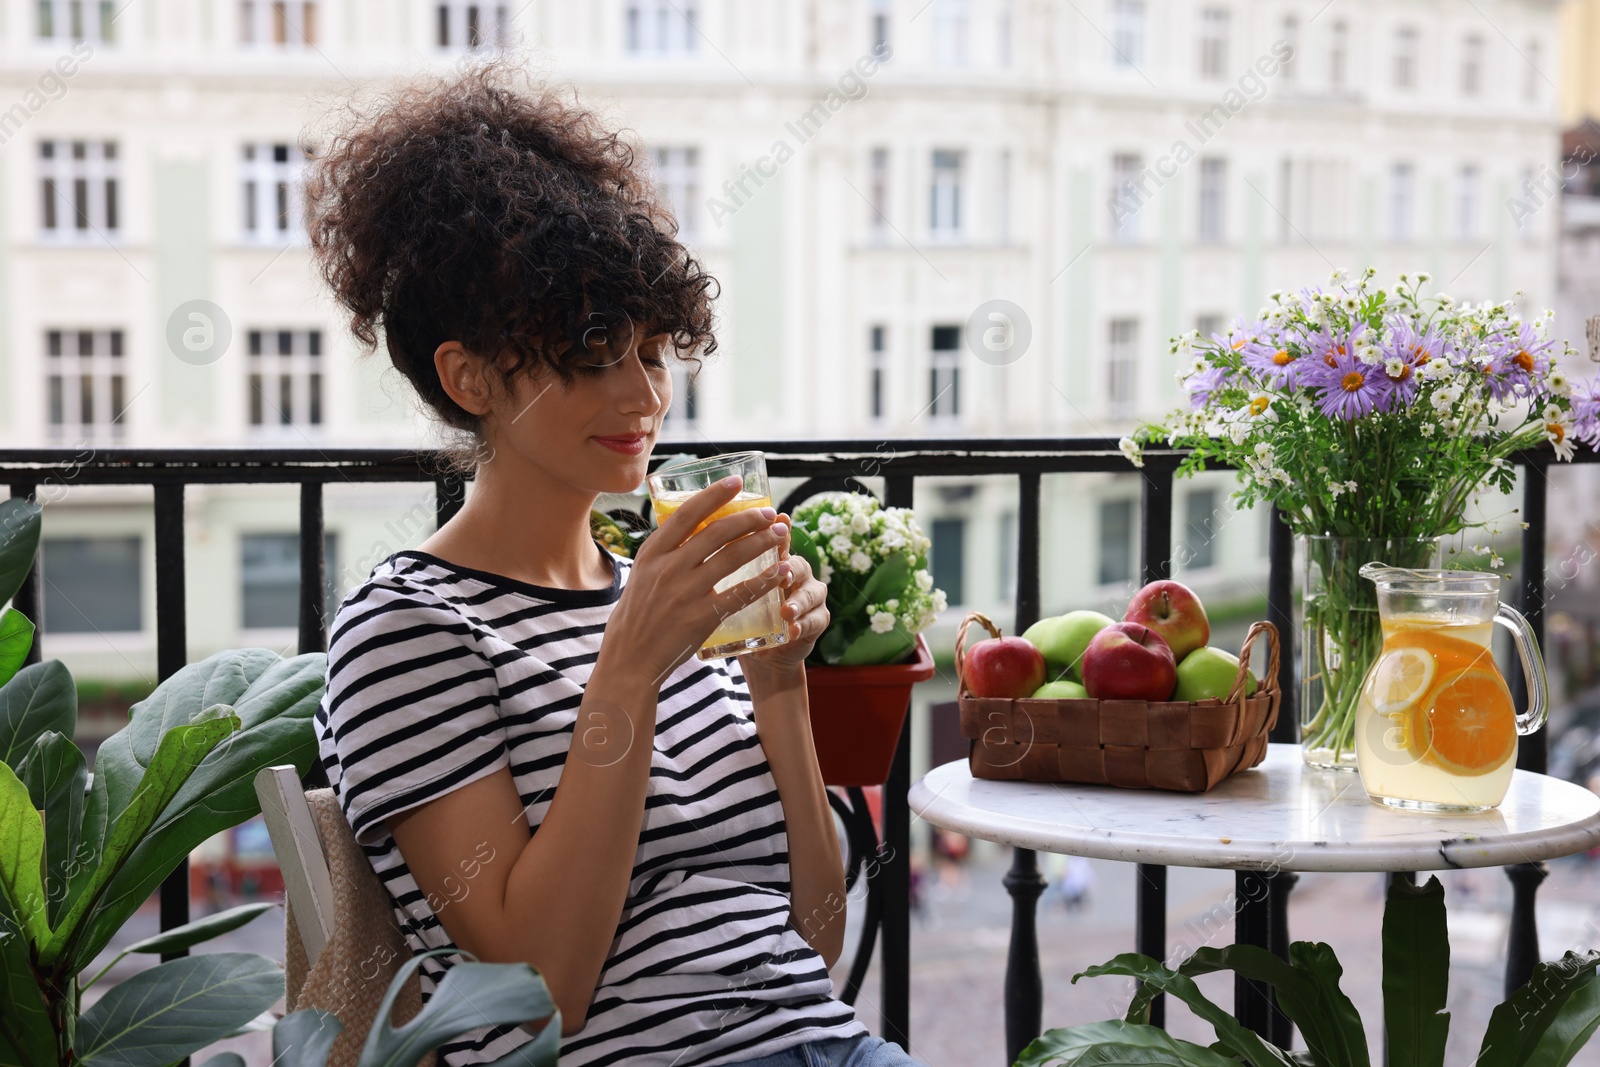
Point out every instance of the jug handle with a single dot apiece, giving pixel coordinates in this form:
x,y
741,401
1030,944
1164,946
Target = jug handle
x,y
1532,668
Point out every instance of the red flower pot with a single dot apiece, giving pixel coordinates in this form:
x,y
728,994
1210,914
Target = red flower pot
x,y
857,714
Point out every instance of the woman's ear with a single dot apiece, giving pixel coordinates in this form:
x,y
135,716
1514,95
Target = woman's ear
x,y
462,375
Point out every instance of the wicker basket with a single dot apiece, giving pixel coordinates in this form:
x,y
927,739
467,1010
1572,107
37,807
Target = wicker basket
x,y
1135,744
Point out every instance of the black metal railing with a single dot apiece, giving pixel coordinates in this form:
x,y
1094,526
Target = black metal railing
x,y
1261,917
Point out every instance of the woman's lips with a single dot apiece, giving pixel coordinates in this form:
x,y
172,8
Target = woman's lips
x,y
629,444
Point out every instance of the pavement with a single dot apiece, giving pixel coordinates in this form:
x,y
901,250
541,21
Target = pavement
x,y
960,936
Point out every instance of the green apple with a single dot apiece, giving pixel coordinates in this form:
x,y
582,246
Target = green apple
x,y
1061,689
1062,639
1208,673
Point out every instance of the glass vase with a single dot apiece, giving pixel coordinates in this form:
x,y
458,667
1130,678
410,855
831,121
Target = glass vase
x,y
1340,635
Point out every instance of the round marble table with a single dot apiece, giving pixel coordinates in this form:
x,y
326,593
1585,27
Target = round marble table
x,y
1279,816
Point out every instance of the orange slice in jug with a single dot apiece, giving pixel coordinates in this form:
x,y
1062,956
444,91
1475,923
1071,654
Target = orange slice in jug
x,y
1468,723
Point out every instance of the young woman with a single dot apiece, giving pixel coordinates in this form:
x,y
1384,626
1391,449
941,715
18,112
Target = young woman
x,y
516,726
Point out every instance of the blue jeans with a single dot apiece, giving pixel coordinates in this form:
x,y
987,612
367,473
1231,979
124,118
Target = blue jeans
x,y
865,1051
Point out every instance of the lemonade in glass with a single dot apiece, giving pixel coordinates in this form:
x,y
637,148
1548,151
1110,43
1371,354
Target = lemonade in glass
x,y
1436,728
760,624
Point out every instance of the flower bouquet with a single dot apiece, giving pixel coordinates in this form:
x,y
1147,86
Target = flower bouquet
x,y
874,561
1374,414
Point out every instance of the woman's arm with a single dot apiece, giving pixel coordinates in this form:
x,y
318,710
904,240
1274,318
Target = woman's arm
x,y
816,872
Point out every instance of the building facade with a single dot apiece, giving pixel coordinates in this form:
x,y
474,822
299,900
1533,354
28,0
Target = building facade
x,y
940,218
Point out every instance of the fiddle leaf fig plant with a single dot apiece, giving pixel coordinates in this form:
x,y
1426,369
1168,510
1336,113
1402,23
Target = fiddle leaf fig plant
x,y
1543,1024
81,851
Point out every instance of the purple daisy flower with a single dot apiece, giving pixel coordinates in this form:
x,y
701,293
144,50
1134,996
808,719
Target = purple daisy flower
x,y
1519,362
1406,353
1278,367
1202,385
1347,387
1586,413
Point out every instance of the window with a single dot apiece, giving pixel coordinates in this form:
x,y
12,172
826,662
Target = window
x,y
1002,198
470,26
944,373
269,579
1127,33
1214,43
91,585
661,27
1531,74
1208,323
286,24
1401,178
947,557
1467,203
272,175
1213,187
1472,65
285,374
1008,556
950,32
879,356
1338,54
78,186
1122,358
678,183
685,410
1126,197
1002,31
1202,522
1291,37
1286,200
1406,43
878,195
880,26
1116,541
85,384
77,20
945,197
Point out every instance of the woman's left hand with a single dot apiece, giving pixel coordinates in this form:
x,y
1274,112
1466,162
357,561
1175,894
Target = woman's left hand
x,y
805,609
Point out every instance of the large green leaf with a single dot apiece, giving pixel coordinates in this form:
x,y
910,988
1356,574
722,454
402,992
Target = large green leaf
x,y
179,753
887,578
41,697
305,1038
21,855
189,934
163,1014
471,995
16,638
1116,1042
802,545
275,700
1519,1025
1572,1028
1307,989
19,543
27,1036
1416,974
1233,1036
57,778
872,648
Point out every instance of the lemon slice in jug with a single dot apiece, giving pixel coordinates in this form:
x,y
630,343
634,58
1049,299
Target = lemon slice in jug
x,y
1403,676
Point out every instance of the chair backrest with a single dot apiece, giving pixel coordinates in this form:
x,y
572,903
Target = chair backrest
x,y
299,849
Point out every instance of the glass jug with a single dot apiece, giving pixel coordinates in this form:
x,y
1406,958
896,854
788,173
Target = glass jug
x,y
1435,726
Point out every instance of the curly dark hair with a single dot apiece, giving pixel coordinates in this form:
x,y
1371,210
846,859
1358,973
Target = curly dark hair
x,y
468,208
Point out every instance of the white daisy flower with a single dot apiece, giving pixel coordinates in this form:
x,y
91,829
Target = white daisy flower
x,y
882,622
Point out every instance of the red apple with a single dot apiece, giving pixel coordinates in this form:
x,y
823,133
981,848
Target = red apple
x,y
1172,610
1003,667
1126,661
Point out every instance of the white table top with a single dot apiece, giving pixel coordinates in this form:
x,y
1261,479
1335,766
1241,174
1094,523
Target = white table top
x,y
1281,815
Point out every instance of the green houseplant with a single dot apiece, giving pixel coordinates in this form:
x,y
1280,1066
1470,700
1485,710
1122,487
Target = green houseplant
x,y
1542,1024
80,852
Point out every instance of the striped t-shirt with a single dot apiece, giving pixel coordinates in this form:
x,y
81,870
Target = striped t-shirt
x,y
439,675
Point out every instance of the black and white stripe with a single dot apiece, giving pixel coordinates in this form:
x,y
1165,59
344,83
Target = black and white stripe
x,y
439,675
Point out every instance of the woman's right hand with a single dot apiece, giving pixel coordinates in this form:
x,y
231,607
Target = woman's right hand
x,y
669,607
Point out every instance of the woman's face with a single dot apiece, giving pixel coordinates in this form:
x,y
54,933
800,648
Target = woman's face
x,y
596,430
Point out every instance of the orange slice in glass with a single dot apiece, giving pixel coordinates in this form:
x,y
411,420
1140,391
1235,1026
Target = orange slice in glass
x,y
1468,724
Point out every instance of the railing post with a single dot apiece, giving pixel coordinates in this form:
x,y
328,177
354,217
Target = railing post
x,y
313,571
1522,952
1280,612
1155,563
898,492
1024,991
172,651
1252,925
27,599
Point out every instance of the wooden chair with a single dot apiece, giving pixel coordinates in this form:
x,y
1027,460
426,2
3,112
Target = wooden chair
x,y
342,946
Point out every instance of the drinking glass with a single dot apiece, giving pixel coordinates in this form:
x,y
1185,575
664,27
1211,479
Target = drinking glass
x,y
757,625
